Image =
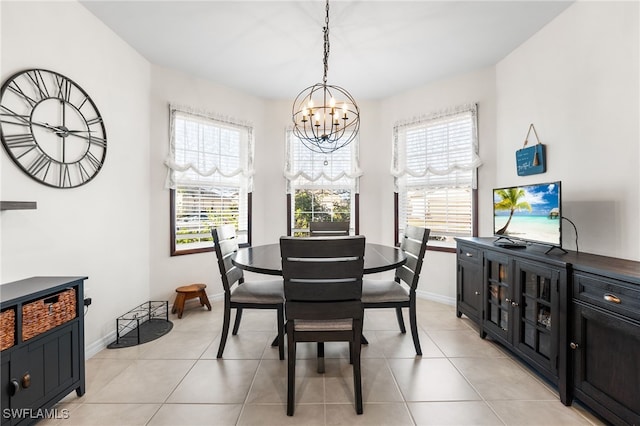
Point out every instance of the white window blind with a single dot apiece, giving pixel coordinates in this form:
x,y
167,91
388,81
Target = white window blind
x,y
435,161
210,171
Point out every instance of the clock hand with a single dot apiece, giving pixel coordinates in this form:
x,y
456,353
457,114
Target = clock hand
x,y
46,125
60,130
87,137
63,112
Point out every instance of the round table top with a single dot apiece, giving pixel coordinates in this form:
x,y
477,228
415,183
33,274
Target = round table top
x,y
266,259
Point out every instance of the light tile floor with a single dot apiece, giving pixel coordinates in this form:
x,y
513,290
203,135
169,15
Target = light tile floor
x,y
461,379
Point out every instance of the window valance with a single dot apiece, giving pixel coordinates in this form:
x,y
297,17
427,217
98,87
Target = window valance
x,y
436,146
208,149
307,169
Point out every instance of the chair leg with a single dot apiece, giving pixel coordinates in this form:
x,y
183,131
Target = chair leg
x,y
236,324
357,371
281,331
320,357
225,327
291,369
400,320
414,326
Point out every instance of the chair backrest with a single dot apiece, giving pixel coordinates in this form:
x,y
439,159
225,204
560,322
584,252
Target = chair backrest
x,y
328,229
414,246
226,244
322,276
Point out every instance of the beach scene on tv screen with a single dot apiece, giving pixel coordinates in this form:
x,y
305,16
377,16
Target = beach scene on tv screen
x,y
530,212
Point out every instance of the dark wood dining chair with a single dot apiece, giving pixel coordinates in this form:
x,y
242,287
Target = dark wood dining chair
x,y
395,294
323,288
328,229
238,294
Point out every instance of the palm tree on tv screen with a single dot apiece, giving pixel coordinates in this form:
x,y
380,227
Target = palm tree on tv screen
x,y
510,200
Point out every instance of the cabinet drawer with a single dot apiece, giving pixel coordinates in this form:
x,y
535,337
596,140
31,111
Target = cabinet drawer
x,y
44,314
615,296
469,254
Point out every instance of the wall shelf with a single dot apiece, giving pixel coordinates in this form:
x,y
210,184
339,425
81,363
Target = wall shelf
x,y
18,205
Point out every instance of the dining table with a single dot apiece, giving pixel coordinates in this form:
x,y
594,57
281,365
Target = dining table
x,y
265,259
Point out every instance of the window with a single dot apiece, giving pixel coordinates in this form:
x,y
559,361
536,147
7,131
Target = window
x,y
435,161
321,187
210,176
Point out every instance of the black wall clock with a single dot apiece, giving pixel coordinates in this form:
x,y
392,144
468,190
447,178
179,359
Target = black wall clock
x,y
51,128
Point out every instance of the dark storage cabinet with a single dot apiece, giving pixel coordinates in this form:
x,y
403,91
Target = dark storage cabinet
x,y
42,366
605,342
574,317
521,299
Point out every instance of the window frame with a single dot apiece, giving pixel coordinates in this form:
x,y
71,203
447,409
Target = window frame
x,y
244,187
474,187
353,174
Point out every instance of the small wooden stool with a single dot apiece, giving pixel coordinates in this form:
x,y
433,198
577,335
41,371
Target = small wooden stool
x,y
190,292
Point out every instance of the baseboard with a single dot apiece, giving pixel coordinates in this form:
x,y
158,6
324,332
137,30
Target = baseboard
x,y
97,346
435,297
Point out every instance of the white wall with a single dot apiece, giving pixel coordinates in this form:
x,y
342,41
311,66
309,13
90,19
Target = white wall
x,y
99,229
577,80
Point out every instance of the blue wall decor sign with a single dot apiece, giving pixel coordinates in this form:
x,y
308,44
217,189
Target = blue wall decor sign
x,y
531,160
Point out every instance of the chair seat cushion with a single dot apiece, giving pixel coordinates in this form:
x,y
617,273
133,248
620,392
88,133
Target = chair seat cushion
x,y
268,291
378,291
323,325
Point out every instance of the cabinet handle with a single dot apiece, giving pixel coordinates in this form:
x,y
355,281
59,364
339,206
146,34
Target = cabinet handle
x,y
468,254
477,293
26,380
574,345
611,298
514,304
507,300
14,387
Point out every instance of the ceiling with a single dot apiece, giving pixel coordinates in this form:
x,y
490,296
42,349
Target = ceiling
x,y
274,49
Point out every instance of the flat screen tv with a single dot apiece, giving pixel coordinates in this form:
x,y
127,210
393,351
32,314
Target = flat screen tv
x,y
529,213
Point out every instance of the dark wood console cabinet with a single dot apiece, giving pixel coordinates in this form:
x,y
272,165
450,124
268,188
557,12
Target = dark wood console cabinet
x,y
573,317
605,336
518,300
37,371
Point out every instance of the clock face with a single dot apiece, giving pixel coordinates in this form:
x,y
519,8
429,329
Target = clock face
x,y
51,128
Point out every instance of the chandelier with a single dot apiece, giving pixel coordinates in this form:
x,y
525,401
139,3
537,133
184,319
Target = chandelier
x,y
325,117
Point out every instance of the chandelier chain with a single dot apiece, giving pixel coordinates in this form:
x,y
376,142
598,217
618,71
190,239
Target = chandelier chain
x,y
326,43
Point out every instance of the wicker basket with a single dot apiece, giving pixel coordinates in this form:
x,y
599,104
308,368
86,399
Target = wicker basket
x,y
7,329
44,314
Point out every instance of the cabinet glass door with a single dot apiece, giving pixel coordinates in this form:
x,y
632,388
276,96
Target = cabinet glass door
x,y
535,320
535,313
498,297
